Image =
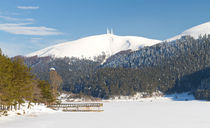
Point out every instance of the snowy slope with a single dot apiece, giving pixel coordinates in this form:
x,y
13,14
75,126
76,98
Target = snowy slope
x,y
92,46
195,32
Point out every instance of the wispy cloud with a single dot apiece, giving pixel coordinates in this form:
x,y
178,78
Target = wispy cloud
x,y
28,7
24,29
15,19
28,19
8,18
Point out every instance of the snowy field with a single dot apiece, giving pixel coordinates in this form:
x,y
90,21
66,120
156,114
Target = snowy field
x,y
148,113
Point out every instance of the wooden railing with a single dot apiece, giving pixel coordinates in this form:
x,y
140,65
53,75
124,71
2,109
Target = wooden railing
x,y
78,107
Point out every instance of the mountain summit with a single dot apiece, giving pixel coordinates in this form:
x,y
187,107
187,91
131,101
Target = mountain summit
x,y
92,46
195,32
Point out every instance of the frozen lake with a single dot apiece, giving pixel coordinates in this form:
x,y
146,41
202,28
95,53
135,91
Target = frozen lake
x,y
127,114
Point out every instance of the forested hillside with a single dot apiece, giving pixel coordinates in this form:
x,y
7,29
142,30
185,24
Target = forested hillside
x,y
178,66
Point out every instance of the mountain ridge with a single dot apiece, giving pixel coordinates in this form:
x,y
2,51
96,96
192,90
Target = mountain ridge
x,y
93,46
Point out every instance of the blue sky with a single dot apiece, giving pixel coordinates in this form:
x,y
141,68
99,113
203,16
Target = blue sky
x,y
30,25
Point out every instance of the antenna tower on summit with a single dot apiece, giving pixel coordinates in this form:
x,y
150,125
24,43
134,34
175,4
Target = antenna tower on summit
x,y
109,31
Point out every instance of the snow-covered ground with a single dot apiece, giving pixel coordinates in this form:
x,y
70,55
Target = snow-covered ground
x,y
34,111
160,112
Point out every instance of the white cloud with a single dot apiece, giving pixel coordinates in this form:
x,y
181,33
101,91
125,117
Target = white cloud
x,y
28,7
36,38
23,29
15,19
28,19
8,18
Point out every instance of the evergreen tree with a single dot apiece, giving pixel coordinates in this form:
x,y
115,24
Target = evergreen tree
x,y
46,92
18,84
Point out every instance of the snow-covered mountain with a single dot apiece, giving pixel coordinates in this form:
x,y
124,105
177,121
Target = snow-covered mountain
x,y
195,32
110,44
93,46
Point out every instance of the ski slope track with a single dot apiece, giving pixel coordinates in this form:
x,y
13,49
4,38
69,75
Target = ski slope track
x,y
93,46
195,32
